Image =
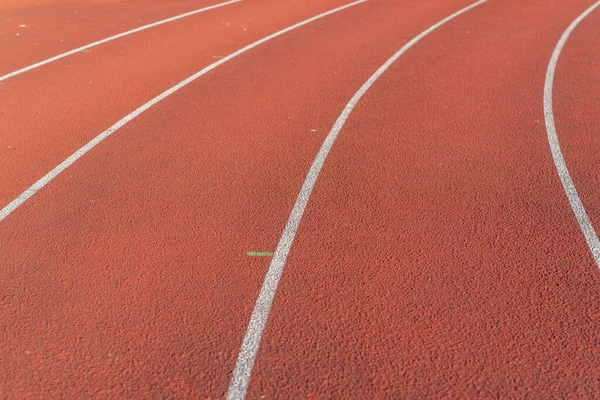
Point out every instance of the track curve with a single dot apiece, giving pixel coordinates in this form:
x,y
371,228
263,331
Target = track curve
x,y
578,209
437,256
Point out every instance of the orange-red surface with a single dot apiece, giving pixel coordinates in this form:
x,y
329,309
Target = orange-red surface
x,y
34,30
438,255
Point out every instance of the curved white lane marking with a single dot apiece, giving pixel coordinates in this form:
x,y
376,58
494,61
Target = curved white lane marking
x,y
91,144
245,362
561,167
108,39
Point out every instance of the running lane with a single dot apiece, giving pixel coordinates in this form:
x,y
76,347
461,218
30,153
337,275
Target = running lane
x,y
438,256
128,275
50,112
31,32
576,110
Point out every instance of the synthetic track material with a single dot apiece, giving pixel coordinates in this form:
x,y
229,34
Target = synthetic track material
x,y
145,304
561,167
23,197
437,256
114,37
34,31
260,314
51,112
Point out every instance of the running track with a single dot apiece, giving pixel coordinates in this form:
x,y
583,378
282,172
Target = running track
x,y
437,255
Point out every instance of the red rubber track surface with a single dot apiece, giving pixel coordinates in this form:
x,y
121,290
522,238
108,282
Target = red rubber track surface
x,y
438,255
576,110
76,98
52,27
144,287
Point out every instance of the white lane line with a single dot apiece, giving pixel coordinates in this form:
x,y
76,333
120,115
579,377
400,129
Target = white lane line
x,y
108,39
91,144
561,167
247,355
